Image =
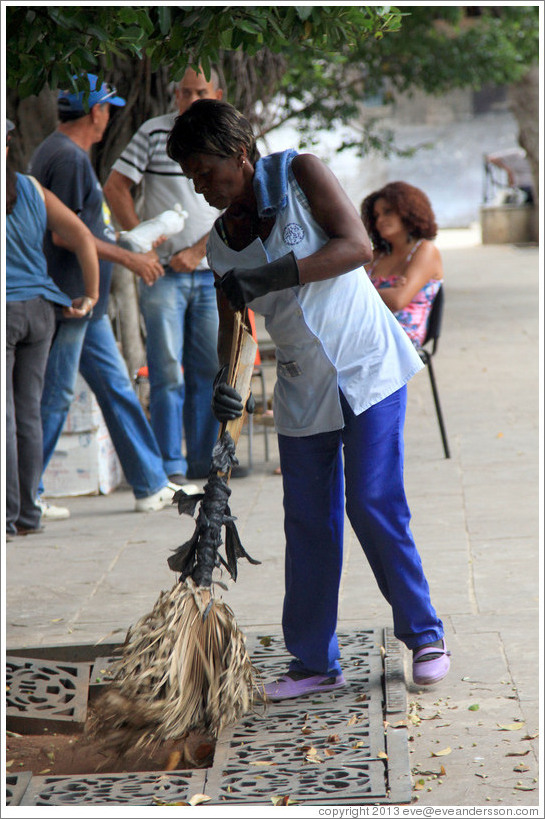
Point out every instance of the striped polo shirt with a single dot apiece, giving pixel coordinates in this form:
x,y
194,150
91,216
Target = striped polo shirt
x,y
145,160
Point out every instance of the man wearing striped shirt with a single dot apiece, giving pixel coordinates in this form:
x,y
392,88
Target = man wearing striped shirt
x,y
179,309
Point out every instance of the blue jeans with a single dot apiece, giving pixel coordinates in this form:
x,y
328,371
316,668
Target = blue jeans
x,y
314,489
181,317
91,346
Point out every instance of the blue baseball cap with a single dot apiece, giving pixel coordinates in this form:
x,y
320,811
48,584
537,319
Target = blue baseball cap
x,y
69,101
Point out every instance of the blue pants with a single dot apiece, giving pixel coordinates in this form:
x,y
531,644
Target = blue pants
x,y
181,316
91,346
312,472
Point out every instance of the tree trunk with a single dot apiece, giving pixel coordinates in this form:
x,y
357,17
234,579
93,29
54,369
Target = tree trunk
x,y
124,311
524,103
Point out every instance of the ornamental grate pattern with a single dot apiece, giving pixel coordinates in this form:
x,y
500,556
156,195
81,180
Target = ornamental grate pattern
x,y
45,694
326,748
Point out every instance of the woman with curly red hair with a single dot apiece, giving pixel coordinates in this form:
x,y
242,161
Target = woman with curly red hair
x,y
406,268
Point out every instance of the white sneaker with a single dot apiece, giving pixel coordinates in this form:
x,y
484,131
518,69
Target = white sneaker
x,y
155,502
50,512
159,500
188,488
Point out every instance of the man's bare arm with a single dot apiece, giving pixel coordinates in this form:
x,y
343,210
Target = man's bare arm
x,y
117,191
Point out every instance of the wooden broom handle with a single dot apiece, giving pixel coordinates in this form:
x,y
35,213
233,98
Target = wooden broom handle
x,y
241,367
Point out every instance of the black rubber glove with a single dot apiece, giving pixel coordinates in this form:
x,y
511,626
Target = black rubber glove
x,y
226,401
242,286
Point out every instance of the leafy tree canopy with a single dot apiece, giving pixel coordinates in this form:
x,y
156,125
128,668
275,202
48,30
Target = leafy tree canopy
x,y
46,45
436,49
312,64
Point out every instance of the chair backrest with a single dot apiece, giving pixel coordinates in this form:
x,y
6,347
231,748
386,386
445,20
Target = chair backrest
x,y
435,320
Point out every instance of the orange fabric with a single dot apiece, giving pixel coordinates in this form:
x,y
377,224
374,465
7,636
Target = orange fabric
x,y
251,321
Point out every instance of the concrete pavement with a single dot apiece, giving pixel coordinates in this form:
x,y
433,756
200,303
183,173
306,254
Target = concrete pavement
x,y
475,519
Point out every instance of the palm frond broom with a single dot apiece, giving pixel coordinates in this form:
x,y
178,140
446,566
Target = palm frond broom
x,y
184,665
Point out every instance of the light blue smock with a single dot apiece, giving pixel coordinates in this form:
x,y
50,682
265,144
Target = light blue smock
x,y
329,335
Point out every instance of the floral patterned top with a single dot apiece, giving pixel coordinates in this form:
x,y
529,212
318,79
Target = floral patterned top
x,y
414,317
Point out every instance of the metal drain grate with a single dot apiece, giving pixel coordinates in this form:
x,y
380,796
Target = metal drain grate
x,y
328,748
113,789
45,694
394,675
16,785
322,748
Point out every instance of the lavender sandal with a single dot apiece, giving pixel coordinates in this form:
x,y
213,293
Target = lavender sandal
x,y
427,672
294,684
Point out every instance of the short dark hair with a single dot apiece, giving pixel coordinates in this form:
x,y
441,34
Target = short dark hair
x,y
211,127
411,205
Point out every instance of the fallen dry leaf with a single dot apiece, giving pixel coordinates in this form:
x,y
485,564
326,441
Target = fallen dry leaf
x,y
419,785
444,752
382,755
518,753
442,772
329,752
525,787
262,762
265,641
353,720
199,798
521,768
333,738
9,762
162,804
45,770
511,726
283,800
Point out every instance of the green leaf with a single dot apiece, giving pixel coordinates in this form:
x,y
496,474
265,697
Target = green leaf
x,y
303,12
473,707
164,19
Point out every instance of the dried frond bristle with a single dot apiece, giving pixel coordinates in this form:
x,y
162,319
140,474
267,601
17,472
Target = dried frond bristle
x,y
179,671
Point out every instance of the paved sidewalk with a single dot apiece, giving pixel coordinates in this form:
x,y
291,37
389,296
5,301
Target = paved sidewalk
x,y
475,519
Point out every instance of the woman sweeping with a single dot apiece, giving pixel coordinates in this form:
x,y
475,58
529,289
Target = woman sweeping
x,y
291,246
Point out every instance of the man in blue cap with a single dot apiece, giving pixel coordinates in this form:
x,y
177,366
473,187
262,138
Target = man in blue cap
x,y
61,163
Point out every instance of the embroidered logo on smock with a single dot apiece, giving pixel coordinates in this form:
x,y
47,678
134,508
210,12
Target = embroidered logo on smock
x,y
293,233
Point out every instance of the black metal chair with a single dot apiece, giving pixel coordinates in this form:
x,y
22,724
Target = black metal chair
x,y
432,338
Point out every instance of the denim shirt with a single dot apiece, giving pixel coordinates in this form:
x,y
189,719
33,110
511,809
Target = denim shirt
x,y
329,335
